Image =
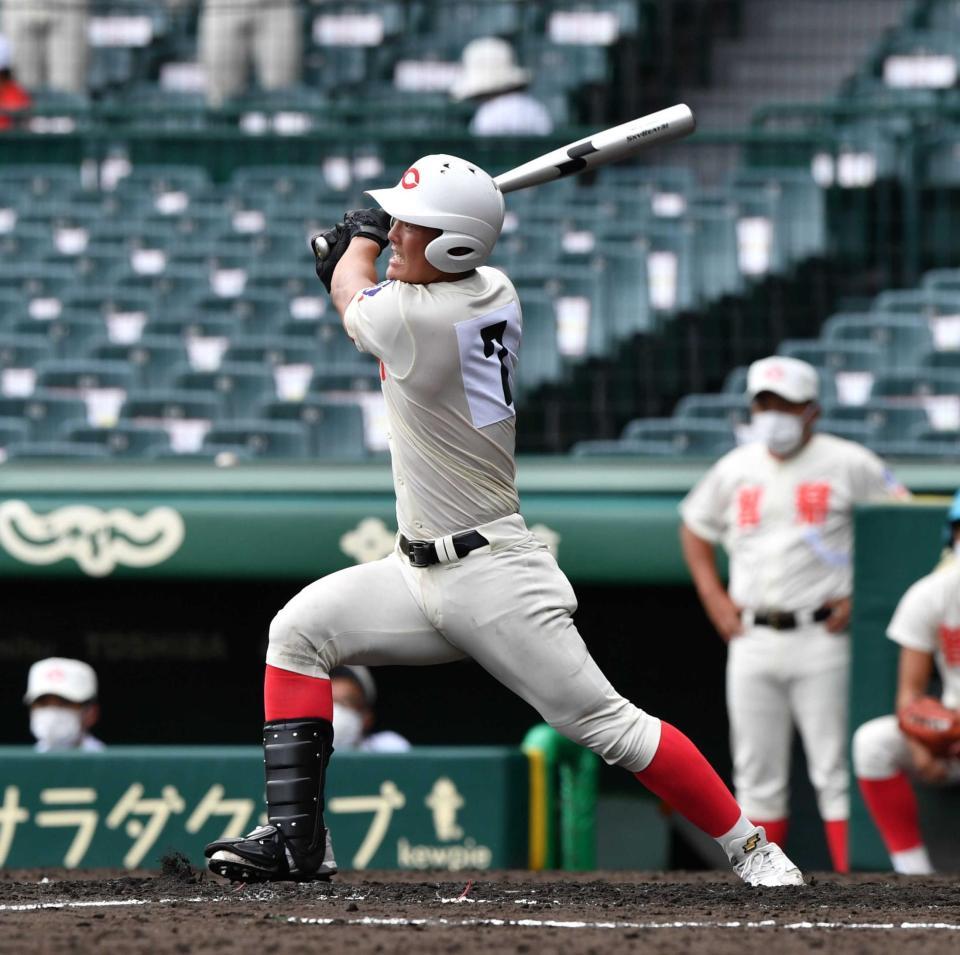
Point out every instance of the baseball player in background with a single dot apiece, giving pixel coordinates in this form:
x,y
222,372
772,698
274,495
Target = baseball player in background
x,y
782,506
467,578
923,738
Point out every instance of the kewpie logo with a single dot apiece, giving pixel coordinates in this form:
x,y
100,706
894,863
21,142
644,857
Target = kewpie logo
x,y
411,178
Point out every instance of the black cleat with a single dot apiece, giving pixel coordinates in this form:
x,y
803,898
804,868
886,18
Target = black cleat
x,y
265,856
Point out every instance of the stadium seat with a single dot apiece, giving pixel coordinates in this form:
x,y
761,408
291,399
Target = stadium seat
x,y
242,388
264,439
902,338
12,431
123,440
915,382
624,448
152,359
862,431
45,414
689,437
56,451
70,335
335,429
732,409
81,375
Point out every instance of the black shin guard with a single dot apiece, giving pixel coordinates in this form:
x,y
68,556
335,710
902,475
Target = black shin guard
x,y
296,753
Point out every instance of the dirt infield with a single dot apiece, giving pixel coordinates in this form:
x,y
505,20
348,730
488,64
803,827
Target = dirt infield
x,y
183,910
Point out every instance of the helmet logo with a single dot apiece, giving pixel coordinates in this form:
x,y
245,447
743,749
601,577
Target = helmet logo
x,y
411,178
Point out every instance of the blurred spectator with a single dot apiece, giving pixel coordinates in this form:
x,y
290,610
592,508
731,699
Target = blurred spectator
x,y
492,78
354,697
12,95
62,696
236,33
49,43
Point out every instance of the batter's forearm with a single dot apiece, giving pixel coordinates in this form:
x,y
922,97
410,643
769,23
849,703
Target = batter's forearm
x,y
702,562
357,270
913,677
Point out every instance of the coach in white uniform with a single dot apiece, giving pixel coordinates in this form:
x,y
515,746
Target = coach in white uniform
x,y
467,577
926,625
782,506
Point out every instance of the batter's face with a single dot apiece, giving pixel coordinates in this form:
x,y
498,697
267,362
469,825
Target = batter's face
x,y
408,261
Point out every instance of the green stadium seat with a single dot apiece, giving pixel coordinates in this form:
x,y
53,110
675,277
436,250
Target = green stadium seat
x,y
271,351
334,429
243,388
916,383
861,431
943,443
83,374
265,439
943,360
157,179
360,377
152,359
942,280
838,356
922,301
12,431
70,335
689,437
539,361
730,408
39,181
123,440
894,421
56,451
23,351
624,448
172,404
902,338
45,414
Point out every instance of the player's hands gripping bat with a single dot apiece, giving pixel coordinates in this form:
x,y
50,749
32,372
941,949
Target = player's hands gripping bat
x,y
929,722
328,247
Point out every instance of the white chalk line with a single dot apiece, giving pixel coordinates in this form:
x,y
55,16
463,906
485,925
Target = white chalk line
x,y
554,923
495,922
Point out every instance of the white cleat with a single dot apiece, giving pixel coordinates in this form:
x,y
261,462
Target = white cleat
x,y
759,862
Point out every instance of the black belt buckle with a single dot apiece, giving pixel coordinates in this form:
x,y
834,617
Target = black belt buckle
x,y
421,553
781,620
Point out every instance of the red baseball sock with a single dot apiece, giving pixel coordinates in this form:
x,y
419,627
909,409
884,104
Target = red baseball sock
x,y
893,808
776,830
681,776
293,696
836,830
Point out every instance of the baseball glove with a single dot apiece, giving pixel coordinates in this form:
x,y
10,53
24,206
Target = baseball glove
x,y
931,723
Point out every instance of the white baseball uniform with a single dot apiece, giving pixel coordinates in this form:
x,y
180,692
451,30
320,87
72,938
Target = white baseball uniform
x,y
448,353
787,527
926,619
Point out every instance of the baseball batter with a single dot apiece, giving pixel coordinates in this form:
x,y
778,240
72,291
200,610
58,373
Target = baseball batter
x,y
467,577
782,507
888,750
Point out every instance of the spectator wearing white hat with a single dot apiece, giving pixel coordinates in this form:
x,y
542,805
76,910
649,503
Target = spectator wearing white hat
x,y
490,76
62,696
782,507
354,698
49,42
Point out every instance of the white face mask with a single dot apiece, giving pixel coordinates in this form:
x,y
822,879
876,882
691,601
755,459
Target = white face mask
x,y
780,431
347,727
56,726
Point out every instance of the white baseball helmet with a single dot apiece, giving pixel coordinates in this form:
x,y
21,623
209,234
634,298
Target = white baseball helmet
x,y
444,192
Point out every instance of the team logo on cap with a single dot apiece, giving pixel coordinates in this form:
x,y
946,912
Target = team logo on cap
x,y
775,372
411,178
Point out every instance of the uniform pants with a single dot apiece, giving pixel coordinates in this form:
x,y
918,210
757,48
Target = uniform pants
x,y
775,680
234,33
880,750
507,606
49,44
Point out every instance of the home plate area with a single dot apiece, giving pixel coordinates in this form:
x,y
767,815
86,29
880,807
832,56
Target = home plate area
x,y
183,909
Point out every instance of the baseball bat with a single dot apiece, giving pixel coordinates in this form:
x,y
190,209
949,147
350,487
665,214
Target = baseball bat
x,y
601,148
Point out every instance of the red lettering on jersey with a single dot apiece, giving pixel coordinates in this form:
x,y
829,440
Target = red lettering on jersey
x,y
813,502
748,506
950,644
411,178
383,371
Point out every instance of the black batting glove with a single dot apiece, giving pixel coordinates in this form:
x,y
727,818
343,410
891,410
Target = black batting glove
x,y
372,224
